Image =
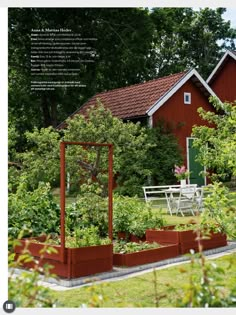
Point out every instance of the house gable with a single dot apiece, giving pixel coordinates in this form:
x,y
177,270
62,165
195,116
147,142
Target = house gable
x,y
190,75
223,78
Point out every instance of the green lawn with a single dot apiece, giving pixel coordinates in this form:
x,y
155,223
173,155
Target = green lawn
x,y
142,291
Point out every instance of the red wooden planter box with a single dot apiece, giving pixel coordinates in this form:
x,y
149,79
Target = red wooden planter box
x,y
79,262
146,256
185,239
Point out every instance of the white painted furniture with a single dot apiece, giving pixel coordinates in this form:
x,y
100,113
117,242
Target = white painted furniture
x,y
163,193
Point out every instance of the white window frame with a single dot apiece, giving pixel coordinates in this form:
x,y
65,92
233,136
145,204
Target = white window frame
x,y
187,94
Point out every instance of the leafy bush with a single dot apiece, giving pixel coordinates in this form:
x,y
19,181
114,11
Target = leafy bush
x,y
219,211
145,219
34,211
130,147
89,209
124,210
41,162
164,152
130,215
88,236
217,143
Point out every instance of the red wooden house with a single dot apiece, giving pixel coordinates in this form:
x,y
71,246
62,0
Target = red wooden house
x,y
174,99
223,78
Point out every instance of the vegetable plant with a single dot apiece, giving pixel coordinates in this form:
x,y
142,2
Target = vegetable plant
x,y
89,209
123,247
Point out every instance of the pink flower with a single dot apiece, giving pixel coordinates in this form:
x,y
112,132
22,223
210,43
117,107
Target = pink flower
x,y
181,172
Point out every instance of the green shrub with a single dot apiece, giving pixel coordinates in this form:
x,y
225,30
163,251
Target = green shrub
x,y
146,219
124,210
34,211
89,209
219,211
131,215
88,236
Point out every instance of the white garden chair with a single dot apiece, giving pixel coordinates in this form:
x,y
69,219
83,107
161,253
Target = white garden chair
x,y
187,200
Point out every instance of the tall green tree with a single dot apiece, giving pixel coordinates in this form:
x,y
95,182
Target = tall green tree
x,y
130,149
124,42
185,38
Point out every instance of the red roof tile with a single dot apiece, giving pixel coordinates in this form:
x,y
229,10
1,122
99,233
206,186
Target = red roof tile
x,y
134,100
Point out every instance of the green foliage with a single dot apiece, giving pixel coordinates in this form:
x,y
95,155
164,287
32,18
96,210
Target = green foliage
x,y
185,227
138,153
34,211
217,144
130,148
219,211
87,236
185,38
24,289
123,247
131,215
12,140
163,153
130,30
79,237
89,209
205,288
14,179
41,161
145,219
124,209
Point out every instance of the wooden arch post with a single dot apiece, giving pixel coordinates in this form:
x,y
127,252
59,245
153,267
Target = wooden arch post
x,y
63,146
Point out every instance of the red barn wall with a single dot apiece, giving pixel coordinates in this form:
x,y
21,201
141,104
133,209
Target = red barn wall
x,y
224,84
181,117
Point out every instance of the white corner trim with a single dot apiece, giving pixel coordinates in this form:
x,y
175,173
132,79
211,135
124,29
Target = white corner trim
x,y
227,53
176,87
150,121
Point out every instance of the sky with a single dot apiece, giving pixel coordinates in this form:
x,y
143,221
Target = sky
x,y
230,14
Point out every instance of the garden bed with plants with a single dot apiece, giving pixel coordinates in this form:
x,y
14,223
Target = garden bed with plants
x,y
187,237
85,254
132,254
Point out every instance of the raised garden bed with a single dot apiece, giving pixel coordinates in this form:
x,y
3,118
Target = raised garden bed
x,y
186,239
146,256
77,262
